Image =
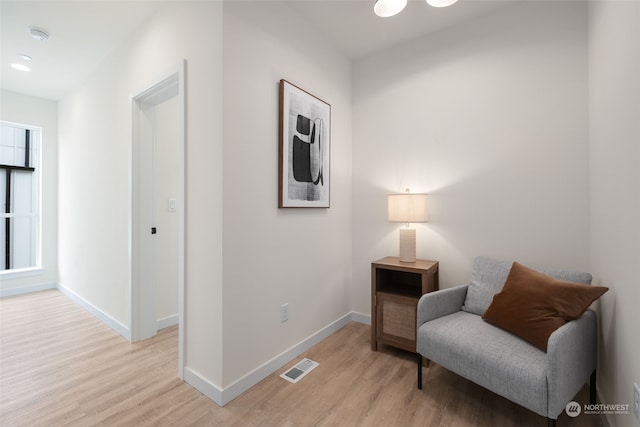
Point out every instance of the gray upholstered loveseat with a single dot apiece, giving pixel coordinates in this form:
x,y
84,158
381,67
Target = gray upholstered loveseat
x,y
452,333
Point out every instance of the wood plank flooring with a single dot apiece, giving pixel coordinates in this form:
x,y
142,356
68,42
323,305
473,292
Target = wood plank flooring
x,y
59,366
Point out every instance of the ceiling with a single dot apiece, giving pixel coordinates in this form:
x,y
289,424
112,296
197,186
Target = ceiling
x,y
354,29
83,32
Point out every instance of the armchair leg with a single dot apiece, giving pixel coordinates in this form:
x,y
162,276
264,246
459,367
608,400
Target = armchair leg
x,y
592,388
551,422
419,371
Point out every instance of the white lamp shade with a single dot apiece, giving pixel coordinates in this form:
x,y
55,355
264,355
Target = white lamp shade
x,y
386,8
441,3
407,207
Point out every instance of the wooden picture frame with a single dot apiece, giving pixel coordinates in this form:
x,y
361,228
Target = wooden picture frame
x,y
305,145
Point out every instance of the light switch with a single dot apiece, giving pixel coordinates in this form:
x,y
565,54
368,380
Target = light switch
x,y
171,205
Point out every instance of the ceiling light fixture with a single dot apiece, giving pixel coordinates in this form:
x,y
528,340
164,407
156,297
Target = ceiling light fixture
x,y
38,34
20,67
386,8
441,3
24,57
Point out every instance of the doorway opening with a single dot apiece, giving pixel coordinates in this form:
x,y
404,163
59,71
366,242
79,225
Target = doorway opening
x,y
157,225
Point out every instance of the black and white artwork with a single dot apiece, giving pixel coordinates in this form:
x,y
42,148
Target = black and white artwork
x,y
305,133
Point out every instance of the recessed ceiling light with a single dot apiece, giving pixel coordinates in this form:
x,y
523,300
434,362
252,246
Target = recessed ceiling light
x,y
25,57
21,67
38,34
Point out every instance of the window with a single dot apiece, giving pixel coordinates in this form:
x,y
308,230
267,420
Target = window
x,y
19,196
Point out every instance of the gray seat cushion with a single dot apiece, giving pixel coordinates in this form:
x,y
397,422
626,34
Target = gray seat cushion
x,y
501,362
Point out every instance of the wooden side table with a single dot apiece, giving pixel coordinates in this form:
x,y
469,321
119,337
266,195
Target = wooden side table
x,y
396,288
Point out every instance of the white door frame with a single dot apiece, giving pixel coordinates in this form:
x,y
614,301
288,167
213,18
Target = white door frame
x,y
166,86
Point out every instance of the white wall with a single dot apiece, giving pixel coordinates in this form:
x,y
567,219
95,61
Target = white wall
x,y
271,256
274,256
614,125
490,119
42,113
95,139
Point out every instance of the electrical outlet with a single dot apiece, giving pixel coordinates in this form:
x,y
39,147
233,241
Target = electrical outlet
x,y
636,401
284,312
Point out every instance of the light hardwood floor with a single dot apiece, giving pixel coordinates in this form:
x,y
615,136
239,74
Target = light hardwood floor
x,y
62,367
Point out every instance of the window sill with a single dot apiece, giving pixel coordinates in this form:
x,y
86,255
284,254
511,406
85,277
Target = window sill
x,y
21,272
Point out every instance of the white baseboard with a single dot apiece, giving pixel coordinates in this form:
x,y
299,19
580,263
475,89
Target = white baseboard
x,y
167,322
99,314
204,386
26,289
361,317
229,393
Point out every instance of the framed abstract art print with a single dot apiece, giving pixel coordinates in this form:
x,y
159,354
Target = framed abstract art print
x,y
304,156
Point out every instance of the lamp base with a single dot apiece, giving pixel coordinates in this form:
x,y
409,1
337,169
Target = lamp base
x,y
407,245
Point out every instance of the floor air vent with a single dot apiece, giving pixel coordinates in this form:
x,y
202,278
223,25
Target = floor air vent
x,y
301,369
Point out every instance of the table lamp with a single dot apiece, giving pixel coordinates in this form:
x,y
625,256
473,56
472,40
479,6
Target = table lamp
x,y
407,207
